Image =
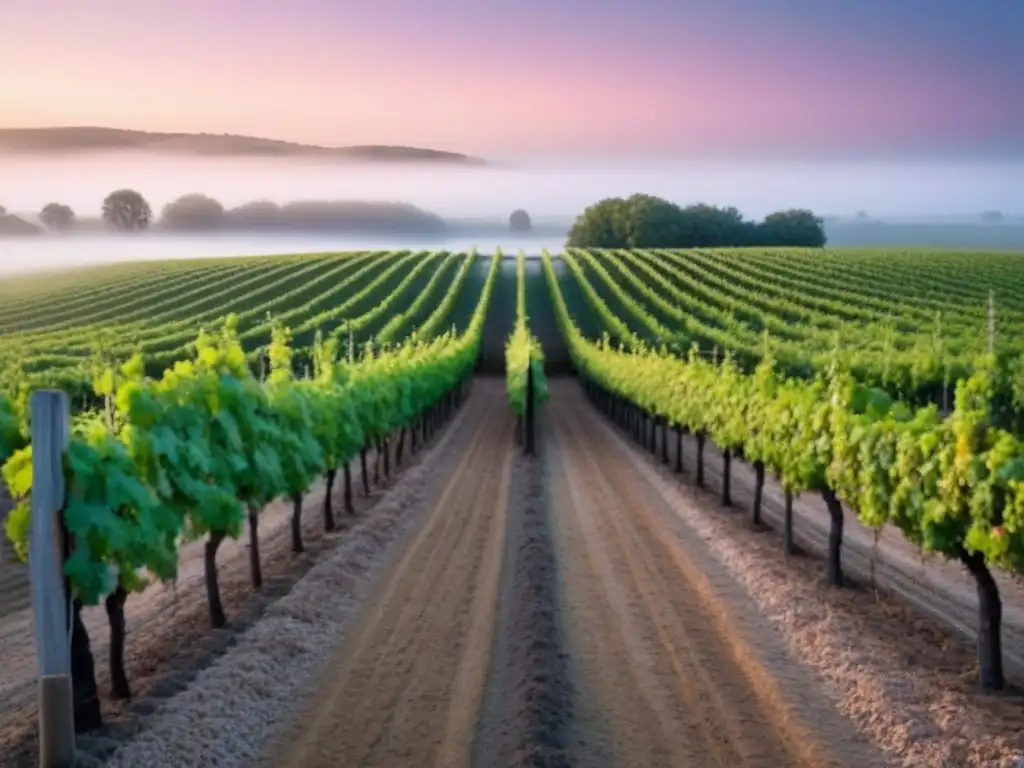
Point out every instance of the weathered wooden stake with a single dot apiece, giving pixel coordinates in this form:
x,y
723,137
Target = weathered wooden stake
x,y
51,421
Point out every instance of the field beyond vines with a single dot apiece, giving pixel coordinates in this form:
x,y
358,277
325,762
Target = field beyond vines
x,y
778,520
910,321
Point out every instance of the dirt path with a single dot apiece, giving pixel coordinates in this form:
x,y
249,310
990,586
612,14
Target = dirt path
x,y
540,614
660,637
409,680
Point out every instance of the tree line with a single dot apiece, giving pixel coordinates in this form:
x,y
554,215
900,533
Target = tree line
x,y
639,221
126,210
645,221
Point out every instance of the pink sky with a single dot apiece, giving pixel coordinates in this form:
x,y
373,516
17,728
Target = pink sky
x,y
598,76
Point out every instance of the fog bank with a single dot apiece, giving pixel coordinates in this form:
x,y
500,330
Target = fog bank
x,y
548,190
38,254
477,201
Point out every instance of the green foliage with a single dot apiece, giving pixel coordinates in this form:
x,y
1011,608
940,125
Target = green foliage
x,y
645,221
187,453
915,354
10,429
793,228
523,351
952,486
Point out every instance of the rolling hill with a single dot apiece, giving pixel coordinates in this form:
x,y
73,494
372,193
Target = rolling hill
x,y
49,141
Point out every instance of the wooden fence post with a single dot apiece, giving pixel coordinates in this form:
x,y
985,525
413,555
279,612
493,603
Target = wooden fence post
x,y
51,422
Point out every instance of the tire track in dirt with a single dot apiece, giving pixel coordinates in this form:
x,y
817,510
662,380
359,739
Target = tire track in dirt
x,y
528,703
408,682
664,678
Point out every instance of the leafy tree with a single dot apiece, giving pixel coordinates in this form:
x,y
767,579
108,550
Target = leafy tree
x,y
596,226
127,210
57,216
706,226
264,213
520,221
190,212
796,227
645,221
648,221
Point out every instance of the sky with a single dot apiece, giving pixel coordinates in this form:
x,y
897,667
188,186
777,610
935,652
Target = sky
x,y
497,77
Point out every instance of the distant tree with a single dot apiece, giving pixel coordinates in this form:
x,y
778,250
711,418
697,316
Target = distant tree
x,y
601,225
796,227
57,216
645,221
862,215
335,216
192,212
259,213
520,221
3,211
127,210
992,217
707,226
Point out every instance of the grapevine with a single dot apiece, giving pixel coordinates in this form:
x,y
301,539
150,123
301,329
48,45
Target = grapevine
x,y
953,486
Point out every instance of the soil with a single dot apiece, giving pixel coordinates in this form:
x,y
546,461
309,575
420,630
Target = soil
x,y
588,608
673,664
407,683
529,698
905,676
528,622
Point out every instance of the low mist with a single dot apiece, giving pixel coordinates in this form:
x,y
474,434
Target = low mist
x,y
553,193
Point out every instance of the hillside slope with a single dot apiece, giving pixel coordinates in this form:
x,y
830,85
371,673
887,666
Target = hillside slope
x,y
93,139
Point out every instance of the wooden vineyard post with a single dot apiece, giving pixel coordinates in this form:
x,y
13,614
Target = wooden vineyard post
x,y
529,446
51,421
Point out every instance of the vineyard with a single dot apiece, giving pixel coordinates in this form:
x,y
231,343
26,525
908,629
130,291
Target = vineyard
x,y
867,405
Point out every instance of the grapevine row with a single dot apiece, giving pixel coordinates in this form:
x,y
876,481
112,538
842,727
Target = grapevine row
x,y
662,304
953,486
199,451
523,351
340,295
